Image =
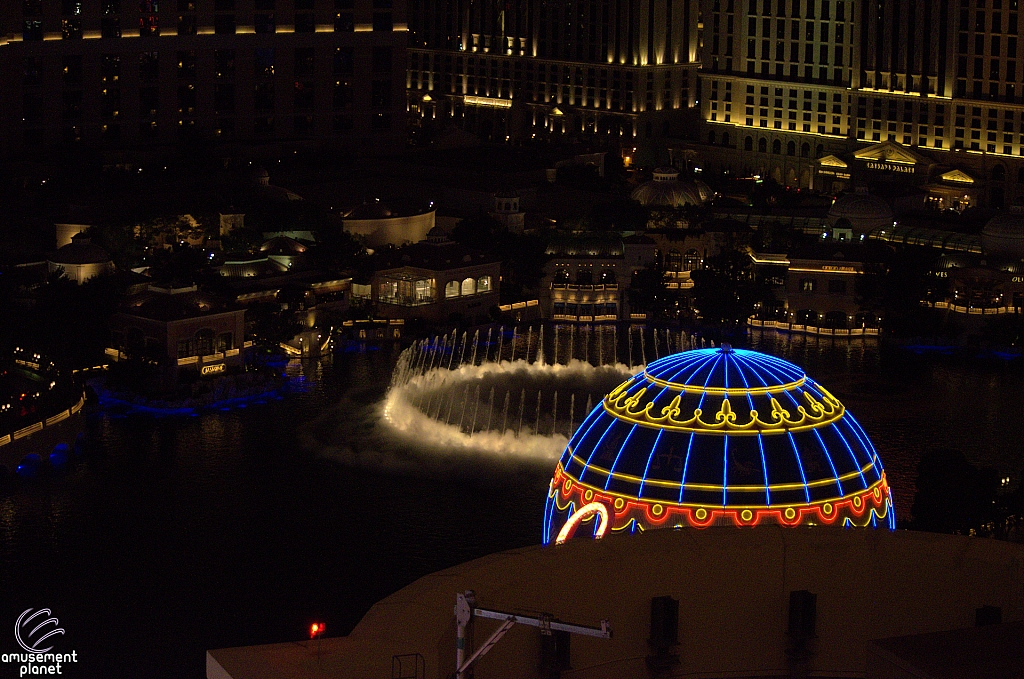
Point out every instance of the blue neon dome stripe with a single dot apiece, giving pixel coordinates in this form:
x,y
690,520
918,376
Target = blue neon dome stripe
x,y
664,465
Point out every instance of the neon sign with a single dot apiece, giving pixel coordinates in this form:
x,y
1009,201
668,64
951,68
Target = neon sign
x,y
214,369
717,436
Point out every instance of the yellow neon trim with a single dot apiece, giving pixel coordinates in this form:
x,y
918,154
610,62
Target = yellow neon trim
x,y
722,391
705,486
870,490
816,414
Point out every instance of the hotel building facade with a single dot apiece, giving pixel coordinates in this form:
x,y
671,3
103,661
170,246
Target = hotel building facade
x,y
524,68
124,75
788,82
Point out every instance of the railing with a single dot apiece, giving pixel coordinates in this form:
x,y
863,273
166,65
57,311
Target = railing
x,y
573,286
974,310
584,319
519,305
412,301
785,326
38,426
408,666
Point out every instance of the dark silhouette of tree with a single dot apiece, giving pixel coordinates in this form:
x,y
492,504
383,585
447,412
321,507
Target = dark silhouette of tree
x,y
647,293
953,495
726,291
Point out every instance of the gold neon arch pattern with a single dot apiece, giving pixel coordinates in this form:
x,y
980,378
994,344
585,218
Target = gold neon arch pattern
x,y
717,436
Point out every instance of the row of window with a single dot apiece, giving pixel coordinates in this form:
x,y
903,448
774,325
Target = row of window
x,y
808,9
585,276
836,286
32,8
224,100
223,24
185,65
577,310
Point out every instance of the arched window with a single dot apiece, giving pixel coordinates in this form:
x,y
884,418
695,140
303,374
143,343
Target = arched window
x,y
204,341
607,276
451,289
691,260
725,139
648,130
819,151
998,173
483,284
584,277
711,137
675,260
805,150
791,148
762,145
748,145
665,128
1020,176
562,276
776,146
225,342
469,286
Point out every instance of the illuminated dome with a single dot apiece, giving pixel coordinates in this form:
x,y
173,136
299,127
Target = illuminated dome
x,y
667,190
1003,235
717,436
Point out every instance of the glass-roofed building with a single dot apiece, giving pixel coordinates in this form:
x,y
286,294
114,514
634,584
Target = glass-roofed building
x,y
717,437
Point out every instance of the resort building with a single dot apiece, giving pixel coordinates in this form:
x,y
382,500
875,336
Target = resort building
x,y
436,280
588,277
530,68
786,84
132,78
80,260
180,330
378,224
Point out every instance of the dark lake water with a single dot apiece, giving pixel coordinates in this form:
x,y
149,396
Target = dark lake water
x,y
176,535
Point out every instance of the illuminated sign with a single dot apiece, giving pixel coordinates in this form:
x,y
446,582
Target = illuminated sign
x,y
1018,279
214,369
890,167
488,101
832,267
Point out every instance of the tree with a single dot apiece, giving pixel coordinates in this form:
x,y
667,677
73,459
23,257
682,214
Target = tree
x,y
726,290
647,293
953,495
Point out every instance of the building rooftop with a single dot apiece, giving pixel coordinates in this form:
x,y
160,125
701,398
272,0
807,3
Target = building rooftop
x,y
986,651
435,256
733,588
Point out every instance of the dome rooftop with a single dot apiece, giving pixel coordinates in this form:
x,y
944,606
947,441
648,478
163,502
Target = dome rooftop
x,y
1003,235
717,436
80,251
666,189
282,245
863,211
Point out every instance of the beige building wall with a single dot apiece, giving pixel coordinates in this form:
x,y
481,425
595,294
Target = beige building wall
x,y
733,588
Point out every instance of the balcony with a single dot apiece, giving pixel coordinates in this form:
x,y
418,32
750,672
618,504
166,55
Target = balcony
x,y
402,300
785,326
595,288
